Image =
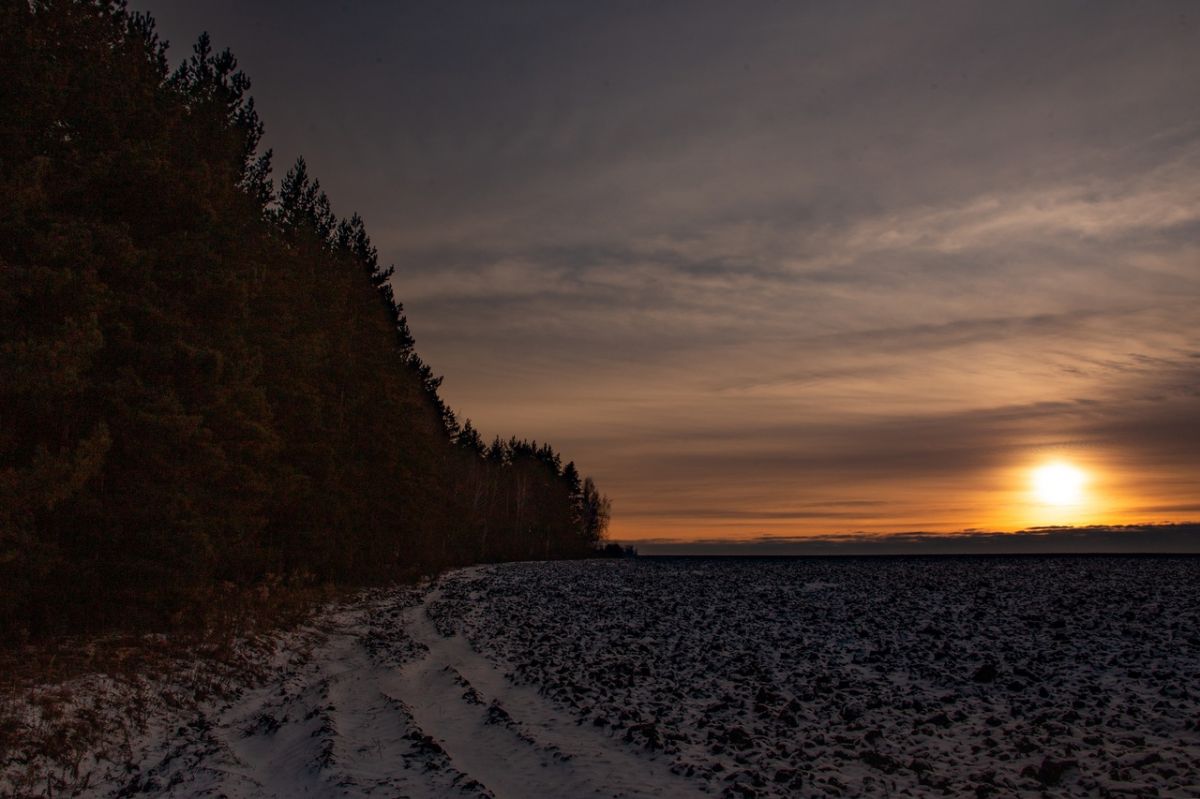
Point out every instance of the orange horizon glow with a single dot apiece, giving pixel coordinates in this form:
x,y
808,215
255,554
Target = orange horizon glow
x,y
755,285
1011,499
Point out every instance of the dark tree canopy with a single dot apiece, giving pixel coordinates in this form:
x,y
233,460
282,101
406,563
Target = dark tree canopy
x,y
201,381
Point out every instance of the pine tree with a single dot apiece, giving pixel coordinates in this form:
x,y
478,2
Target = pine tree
x,y
202,382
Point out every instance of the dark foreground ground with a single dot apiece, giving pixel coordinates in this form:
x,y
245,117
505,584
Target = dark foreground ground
x,y
1001,676
1035,677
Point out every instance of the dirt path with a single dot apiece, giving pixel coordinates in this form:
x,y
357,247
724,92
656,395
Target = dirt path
x,y
509,737
355,718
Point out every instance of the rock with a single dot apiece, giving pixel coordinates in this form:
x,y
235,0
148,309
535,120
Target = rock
x,y
648,731
785,775
738,738
496,714
425,743
765,696
879,760
740,789
985,673
1050,772
1025,674
1143,761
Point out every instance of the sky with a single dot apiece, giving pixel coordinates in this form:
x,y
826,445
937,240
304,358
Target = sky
x,y
778,269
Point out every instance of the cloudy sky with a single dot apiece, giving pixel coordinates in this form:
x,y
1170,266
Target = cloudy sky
x,y
777,268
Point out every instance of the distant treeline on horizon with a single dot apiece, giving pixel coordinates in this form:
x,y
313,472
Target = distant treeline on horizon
x,y
1181,538
204,382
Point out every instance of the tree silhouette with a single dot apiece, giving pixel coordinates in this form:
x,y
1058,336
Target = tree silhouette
x,y
203,381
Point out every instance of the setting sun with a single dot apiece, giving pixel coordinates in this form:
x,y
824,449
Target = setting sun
x,y
1059,484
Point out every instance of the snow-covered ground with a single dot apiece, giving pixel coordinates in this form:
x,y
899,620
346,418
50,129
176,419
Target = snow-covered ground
x,y
370,699
865,677
657,677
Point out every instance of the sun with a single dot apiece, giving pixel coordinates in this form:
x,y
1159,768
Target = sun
x,y
1059,483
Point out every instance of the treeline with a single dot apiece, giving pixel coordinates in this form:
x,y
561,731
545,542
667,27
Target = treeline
x,y
204,381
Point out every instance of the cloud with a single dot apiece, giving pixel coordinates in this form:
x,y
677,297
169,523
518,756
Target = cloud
x,y
751,270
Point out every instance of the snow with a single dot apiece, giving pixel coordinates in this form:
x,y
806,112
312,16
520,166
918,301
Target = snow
x,y
511,738
689,677
864,677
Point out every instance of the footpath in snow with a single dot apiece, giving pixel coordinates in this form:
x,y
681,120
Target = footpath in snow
x,y
982,677
381,704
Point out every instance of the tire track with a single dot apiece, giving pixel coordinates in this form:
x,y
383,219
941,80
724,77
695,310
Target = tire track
x,y
509,737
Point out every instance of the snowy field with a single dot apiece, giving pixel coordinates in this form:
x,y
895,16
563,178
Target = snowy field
x,y
678,677
867,677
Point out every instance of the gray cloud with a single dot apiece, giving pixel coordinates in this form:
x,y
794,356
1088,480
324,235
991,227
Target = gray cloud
x,y
751,265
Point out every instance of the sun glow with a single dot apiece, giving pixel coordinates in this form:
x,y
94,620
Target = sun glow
x,y
1059,484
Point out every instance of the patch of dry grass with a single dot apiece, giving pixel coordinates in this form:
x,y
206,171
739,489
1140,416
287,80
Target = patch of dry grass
x,y
69,705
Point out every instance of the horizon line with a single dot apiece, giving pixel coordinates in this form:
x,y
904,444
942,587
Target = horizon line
x,y
1156,538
